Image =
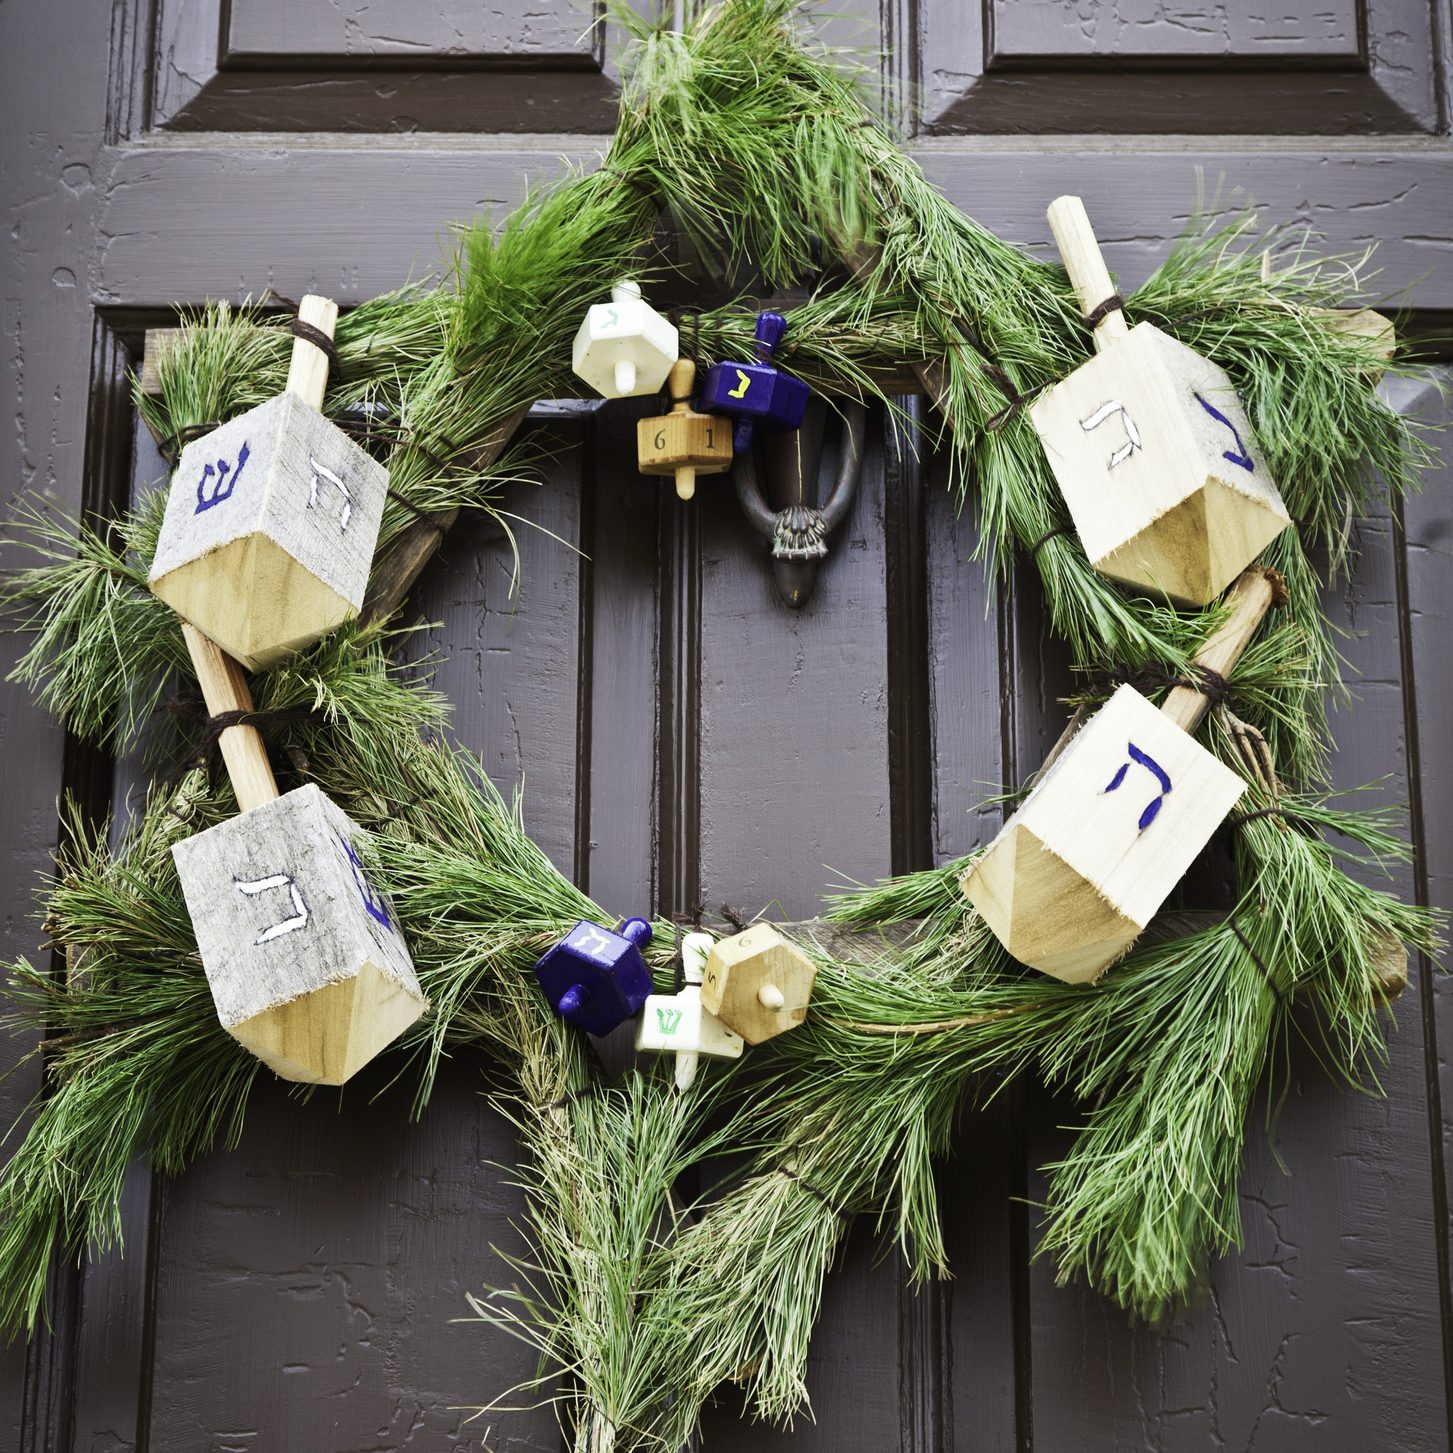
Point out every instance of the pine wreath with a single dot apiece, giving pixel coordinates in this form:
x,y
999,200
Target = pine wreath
x,y
752,145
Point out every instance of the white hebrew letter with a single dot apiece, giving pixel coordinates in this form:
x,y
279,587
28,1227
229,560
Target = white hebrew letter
x,y
592,941
1132,434
323,472
286,925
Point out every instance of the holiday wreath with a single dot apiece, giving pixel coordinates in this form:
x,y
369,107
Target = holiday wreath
x,y
741,139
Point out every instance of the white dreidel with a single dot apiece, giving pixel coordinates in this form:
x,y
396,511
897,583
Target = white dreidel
x,y
306,962
678,1023
272,518
625,347
1153,452
1077,873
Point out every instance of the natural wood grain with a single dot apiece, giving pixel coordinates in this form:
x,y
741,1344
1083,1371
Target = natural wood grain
x,y
1159,467
683,443
757,983
308,366
1080,254
1247,602
224,689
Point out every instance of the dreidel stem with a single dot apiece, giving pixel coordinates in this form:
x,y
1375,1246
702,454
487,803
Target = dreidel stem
x,y
1250,596
1075,239
680,381
224,689
308,368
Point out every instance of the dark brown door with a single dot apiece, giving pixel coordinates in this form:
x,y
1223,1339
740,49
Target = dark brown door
x,y
683,737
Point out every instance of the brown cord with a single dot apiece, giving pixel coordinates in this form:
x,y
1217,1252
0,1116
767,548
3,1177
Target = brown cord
x,y
1256,959
1097,315
1045,538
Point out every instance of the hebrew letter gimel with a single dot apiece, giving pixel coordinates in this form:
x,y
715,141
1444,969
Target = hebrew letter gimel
x,y
1145,760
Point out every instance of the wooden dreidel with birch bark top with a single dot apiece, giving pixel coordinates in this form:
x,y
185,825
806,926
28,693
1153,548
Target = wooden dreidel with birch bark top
x,y
1151,447
680,1024
595,977
272,518
625,347
683,443
756,392
1117,818
757,983
307,965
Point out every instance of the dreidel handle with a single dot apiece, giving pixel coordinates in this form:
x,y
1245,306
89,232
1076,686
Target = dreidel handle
x,y
680,381
308,369
224,688
1075,239
1251,595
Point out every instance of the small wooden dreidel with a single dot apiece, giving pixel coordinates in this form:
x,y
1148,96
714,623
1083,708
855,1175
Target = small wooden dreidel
x,y
307,966
595,977
756,392
1151,447
683,442
1117,818
757,983
625,347
272,518
679,1023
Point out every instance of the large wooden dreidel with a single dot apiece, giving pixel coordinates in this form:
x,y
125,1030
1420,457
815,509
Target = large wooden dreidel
x,y
1111,827
683,443
1151,447
304,955
757,983
680,1024
272,518
625,347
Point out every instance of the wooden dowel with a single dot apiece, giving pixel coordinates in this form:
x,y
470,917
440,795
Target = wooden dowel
x,y
1075,239
308,369
1252,595
224,688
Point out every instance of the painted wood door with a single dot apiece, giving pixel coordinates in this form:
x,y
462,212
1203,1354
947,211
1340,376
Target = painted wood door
x,y
299,1292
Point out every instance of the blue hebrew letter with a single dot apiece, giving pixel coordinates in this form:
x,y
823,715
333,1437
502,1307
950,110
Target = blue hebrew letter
x,y
1237,455
226,482
1108,410
1145,760
375,905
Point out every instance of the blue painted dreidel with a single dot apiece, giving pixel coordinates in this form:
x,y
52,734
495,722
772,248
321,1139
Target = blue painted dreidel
x,y
760,391
1116,818
595,977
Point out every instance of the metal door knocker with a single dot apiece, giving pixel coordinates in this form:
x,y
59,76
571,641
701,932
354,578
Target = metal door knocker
x,y
786,515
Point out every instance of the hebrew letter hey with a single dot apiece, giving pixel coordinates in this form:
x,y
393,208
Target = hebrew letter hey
x,y
322,472
1145,760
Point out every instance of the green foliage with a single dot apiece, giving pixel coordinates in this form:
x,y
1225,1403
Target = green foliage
x,y
761,149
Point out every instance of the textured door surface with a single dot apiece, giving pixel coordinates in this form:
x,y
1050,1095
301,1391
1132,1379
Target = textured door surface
x,y
684,738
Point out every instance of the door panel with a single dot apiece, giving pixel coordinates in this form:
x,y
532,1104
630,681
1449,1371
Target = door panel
x,y
682,738
1144,66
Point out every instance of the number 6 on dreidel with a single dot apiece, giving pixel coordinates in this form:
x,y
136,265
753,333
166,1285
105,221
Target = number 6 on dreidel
x,y
307,965
1080,869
